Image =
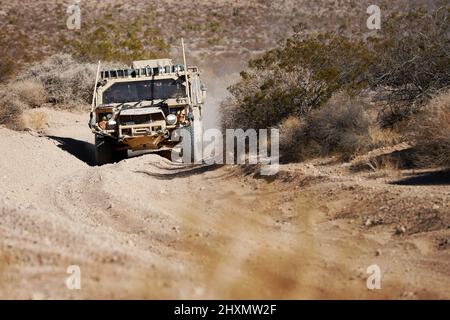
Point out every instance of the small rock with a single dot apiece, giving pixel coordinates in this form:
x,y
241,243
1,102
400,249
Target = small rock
x,y
368,223
435,207
400,230
110,206
378,253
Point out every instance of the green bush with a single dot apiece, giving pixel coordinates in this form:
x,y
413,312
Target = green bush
x,y
296,79
101,39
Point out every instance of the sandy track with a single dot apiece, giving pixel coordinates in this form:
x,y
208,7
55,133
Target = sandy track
x,y
148,228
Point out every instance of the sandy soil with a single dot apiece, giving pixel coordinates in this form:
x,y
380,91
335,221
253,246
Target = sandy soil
x,y
148,228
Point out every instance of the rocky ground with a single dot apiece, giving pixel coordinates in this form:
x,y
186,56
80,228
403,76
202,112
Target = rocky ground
x,y
149,228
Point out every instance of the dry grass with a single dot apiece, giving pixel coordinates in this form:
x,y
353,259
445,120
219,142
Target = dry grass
x,y
35,120
31,92
292,139
11,109
384,137
59,81
341,126
67,83
430,130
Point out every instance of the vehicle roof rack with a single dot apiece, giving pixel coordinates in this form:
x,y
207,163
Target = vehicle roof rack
x,y
140,72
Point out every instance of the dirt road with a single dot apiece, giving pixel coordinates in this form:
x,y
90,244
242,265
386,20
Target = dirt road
x,y
149,228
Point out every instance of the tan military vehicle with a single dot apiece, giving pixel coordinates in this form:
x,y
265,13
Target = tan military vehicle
x,y
146,107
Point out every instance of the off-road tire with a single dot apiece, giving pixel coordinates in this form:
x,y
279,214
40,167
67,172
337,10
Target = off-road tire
x,y
106,151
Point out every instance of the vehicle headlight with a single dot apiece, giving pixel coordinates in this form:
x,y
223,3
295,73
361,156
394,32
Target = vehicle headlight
x,y
171,119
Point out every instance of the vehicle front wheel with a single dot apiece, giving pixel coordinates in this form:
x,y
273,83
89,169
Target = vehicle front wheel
x,y
106,151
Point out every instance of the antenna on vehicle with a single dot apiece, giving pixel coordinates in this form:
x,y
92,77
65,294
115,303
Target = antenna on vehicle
x,y
186,72
93,95
95,86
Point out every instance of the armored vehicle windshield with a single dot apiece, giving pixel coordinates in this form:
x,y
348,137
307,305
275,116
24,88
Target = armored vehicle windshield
x,y
134,91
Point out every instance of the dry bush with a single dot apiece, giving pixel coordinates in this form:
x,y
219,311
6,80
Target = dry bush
x,y
341,126
11,109
30,91
68,83
293,139
380,137
430,130
413,61
35,120
7,66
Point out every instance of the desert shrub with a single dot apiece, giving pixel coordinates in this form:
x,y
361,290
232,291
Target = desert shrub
x,y
293,139
413,62
34,119
404,64
263,98
31,92
6,68
335,62
341,126
383,137
295,79
125,41
11,109
66,81
430,130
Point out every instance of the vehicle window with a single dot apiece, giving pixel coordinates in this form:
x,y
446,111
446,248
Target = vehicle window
x,y
144,90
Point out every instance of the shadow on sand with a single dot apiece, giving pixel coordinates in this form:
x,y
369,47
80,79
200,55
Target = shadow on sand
x,y
80,149
428,178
